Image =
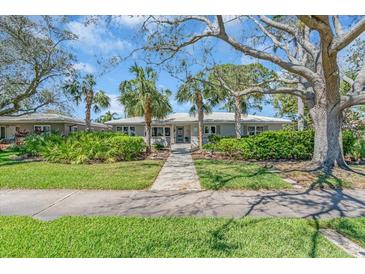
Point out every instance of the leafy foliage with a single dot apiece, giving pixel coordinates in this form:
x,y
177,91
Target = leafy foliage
x,y
284,144
229,80
32,61
84,147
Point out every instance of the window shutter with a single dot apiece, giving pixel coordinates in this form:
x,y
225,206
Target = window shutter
x,y
266,128
218,129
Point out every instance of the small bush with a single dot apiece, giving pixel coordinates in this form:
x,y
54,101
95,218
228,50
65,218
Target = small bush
x,y
348,141
158,146
84,147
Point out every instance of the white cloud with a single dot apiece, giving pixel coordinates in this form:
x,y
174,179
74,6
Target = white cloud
x,y
128,20
97,36
115,106
85,67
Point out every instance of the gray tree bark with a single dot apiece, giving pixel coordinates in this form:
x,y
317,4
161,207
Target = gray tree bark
x,y
237,116
300,114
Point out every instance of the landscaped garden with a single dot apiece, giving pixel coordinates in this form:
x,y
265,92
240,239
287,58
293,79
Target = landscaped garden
x,y
164,237
80,161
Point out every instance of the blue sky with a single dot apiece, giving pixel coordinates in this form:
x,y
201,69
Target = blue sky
x,y
118,36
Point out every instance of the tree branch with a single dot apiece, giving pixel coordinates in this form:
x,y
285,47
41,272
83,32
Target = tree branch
x,y
344,40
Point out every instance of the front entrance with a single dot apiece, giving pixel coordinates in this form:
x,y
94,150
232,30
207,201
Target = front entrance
x,y
179,134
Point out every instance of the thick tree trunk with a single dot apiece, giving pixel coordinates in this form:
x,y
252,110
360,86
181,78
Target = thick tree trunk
x,y
237,116
200,119
89,101
300,114
327,122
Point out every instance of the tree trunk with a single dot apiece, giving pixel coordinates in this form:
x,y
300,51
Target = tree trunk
x,y
327,122
300,114
148,121
237,115
200,119
89,101
148,138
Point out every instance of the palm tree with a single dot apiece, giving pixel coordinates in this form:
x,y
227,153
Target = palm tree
x,y
84,91
197,92
140,97
107,116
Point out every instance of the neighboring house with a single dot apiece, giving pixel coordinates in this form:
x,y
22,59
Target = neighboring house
x,y
183,127
11,126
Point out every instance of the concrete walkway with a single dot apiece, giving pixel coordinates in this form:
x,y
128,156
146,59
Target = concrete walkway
x,y
178,173
51,204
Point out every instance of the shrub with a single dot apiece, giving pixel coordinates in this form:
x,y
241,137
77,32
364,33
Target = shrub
x,y
358,150
84,147
158,146
282,144
348,141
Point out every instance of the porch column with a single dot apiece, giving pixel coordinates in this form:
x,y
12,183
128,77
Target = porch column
x,y
172,133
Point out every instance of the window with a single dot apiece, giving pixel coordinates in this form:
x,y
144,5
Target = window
x,y
254,130
259,129
210,129
2,133
73,128
157,131
167,131
251,130
126,130
42,129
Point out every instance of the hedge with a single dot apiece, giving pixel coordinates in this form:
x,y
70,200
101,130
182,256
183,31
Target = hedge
x,y
84,147
272,145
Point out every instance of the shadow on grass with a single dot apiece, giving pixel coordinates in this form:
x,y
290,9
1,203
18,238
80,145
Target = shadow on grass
x,y
329,180
220,181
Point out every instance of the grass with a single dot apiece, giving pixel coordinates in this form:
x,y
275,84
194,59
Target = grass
x,y
162,237
37,175
353,228
220,174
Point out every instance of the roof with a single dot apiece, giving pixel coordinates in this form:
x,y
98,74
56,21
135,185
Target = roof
x,y
216,117
46,118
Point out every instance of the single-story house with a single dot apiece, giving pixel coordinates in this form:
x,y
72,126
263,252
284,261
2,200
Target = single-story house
x,y
11,126
183,127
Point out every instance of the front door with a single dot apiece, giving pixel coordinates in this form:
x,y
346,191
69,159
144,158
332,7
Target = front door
x,y
179,134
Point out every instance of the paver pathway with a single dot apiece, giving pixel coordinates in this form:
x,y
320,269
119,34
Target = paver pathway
x,y
51,204
178,173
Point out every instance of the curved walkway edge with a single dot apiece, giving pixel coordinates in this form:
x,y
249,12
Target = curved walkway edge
x,y
52,204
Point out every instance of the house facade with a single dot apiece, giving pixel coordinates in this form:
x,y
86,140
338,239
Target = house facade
x,y
183,127
11,126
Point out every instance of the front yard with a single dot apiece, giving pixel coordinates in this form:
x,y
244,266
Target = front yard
x,y
266,175
36,175
221,174
163,237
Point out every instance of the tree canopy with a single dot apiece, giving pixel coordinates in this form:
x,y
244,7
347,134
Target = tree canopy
x,y
31,62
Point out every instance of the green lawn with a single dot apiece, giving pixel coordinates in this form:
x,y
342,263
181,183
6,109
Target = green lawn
x,y
215,174
353,228
162,237
122,175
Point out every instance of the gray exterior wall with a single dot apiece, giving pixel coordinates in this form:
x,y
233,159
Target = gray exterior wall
x,y
191,131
